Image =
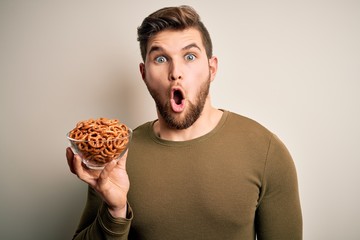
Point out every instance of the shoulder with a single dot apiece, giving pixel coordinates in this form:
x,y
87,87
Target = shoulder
x,y
142,132
245,125
143,127
244,133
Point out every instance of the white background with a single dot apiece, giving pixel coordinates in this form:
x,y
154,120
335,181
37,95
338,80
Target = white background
x,y
293,66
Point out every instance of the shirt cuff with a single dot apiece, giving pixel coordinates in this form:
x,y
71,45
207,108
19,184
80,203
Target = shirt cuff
x,y
115,226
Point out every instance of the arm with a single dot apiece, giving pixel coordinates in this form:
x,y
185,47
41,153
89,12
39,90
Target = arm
x,y
278,215
107,214
97,223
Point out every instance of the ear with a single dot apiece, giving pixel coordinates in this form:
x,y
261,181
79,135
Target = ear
x,y
142,70
213,66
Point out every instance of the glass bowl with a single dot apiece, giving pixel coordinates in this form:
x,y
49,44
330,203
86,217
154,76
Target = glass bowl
x,y
96,151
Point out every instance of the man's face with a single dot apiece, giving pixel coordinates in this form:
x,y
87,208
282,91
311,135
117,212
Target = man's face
x,y
178,73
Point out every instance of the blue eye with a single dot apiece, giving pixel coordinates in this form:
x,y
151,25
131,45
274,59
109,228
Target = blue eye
x,y
190,57
160,59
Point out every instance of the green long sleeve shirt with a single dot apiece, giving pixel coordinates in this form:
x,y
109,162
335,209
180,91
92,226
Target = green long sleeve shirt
x,y
236,182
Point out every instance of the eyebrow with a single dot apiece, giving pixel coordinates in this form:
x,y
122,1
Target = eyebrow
x,y
187,47
192,45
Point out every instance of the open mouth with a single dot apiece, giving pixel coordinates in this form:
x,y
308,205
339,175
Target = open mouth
x,y
178,96
177,100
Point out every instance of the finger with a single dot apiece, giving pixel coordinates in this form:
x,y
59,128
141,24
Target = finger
x,y
78,167
70,157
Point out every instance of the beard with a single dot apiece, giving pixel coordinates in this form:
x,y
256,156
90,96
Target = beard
x,y
192,112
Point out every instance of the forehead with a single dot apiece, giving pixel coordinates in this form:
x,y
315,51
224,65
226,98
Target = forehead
x,y
175,39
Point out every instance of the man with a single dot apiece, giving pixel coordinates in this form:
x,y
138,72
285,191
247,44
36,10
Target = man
x,y
196,172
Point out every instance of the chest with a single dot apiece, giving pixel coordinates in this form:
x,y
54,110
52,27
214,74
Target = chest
x,y
198,187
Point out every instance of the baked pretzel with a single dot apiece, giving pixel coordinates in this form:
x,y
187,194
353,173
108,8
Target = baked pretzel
x,y
100,140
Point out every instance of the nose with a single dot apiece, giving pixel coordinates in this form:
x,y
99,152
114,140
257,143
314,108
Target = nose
x,y
175,72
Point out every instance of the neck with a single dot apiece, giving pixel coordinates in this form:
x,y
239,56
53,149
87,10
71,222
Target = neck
x,y
207,121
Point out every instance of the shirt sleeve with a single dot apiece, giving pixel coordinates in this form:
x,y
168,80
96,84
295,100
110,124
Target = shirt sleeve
x,y
97,223
278,215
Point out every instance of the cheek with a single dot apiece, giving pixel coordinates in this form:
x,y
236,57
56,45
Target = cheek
x,y
201,70
155,75
155,81
202,78
199,74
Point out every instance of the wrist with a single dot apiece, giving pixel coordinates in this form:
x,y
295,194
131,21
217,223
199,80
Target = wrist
x,y
118,212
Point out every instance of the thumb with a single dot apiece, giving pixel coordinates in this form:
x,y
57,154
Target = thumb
x,y
105,173
121,163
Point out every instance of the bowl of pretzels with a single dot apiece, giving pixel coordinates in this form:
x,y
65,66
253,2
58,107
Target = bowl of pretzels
x,y
99,141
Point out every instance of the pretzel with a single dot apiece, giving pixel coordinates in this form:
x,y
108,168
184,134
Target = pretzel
x,y
100,140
